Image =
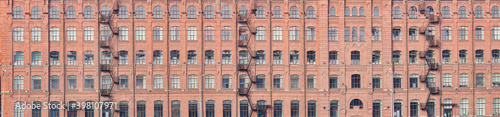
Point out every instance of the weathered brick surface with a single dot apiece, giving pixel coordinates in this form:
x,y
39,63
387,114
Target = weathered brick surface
x,y
322,94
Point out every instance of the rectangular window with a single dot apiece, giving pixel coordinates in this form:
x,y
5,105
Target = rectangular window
x,y
414,80
192,33
244,109
311,81
347,34
480,107
226,82
209,33
157,33
462,33
261,34
88,34
210,109
18,34
397,81
480,80
447,80
464,80
71,33
54,34
89,82
333,34
261,81
413,34
294,109
294,82
377,81
396,34
175,33
377,108
277,34
192,82
446,33
479,33
175,82
294,33
123,33
36,34
333,81
414,109
311,34
226,33
278,81
376,34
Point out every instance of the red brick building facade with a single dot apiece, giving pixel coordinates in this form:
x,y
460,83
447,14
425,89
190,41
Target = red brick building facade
x,y
244,58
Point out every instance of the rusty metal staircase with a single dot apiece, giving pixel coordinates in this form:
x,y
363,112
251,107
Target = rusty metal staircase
x,y
246,32
427,54
106,20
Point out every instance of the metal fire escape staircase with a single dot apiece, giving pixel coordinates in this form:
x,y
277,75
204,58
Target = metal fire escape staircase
x,y
247,32
109,44
427,55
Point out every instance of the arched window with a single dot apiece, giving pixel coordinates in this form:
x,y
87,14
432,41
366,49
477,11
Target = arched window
x,y
226,12
375,11
413,12
294,12
140,57
105,11
311,57
495,13
140,12
158,108
123,12
174,12
243,11
478,12
361,11
54,12
35,12
176,108
18,13
277,57
191,12
209,57
36,58
356,102
192,57
332,11
445,12
346,11
18,112
209,12
354,11
88,13
429,11
71,12
479,56
124,108
310,12
311,108
396,13
157,12
71,58
462,12
277,12
261,12
54,58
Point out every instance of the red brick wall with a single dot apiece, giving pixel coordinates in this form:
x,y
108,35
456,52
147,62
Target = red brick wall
x,y
322,94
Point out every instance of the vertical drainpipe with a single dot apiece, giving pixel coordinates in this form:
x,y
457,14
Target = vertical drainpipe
x,y
48,48
473,16
133,58
392,69
236,51
441,108
202,86
270,57
167,40
305,53
98,52
63,39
